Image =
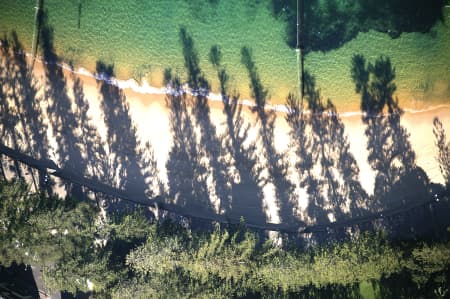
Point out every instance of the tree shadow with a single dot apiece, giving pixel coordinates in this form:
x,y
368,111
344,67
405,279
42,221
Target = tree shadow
x,y
243,168
443,146
399,181
210,145
131,167
29,106
91,144
62,118
8,113
275,163
326,167
327,25
186,173
26,112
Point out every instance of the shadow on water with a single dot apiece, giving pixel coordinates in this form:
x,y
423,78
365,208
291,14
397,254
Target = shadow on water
x,y
80,6
242,164
275,163
327,25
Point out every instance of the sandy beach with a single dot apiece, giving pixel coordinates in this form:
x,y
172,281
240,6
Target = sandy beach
x,y
150,115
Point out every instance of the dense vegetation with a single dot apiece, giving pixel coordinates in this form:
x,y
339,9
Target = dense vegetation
x,y
127,256
327,24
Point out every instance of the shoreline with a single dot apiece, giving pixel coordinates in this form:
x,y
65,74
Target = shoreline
x,y
151,118
145,107
145,89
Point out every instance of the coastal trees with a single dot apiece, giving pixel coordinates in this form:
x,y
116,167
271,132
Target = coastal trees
x,y
139,257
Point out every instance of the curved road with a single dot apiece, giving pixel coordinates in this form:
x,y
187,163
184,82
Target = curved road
x,y
199,213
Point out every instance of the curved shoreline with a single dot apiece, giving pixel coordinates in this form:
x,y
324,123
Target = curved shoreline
x,y
146,89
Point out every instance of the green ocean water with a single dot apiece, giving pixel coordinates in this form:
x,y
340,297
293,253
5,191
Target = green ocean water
x,y
141,39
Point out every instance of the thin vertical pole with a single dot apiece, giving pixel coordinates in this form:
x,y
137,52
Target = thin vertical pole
x,y
300,60
37,21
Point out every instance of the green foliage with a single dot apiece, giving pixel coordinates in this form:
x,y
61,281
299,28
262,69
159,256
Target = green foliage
x,y
222,255
157,256
54,233
130,226
364,258
37,229
143,259
429,262
72,273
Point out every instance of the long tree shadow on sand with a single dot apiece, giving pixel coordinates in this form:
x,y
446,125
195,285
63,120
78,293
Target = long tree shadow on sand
x,y
443,151
327,169
243,167
62,118
91,144
9,116
210,146
276,163
29,106
80,148
27,129
399,181
186,173
132,167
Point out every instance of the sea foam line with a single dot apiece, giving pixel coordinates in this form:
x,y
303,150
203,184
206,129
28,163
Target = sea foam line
x,y
145,88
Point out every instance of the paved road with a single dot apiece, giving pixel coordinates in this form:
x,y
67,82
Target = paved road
x,y
199,212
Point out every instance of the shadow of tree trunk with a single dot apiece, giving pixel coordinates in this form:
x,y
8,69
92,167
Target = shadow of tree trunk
x,y
131,166
210,145
186,173
242,163
275,163
399,181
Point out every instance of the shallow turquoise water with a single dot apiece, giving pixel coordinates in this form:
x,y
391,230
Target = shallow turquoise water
x,y
141,38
